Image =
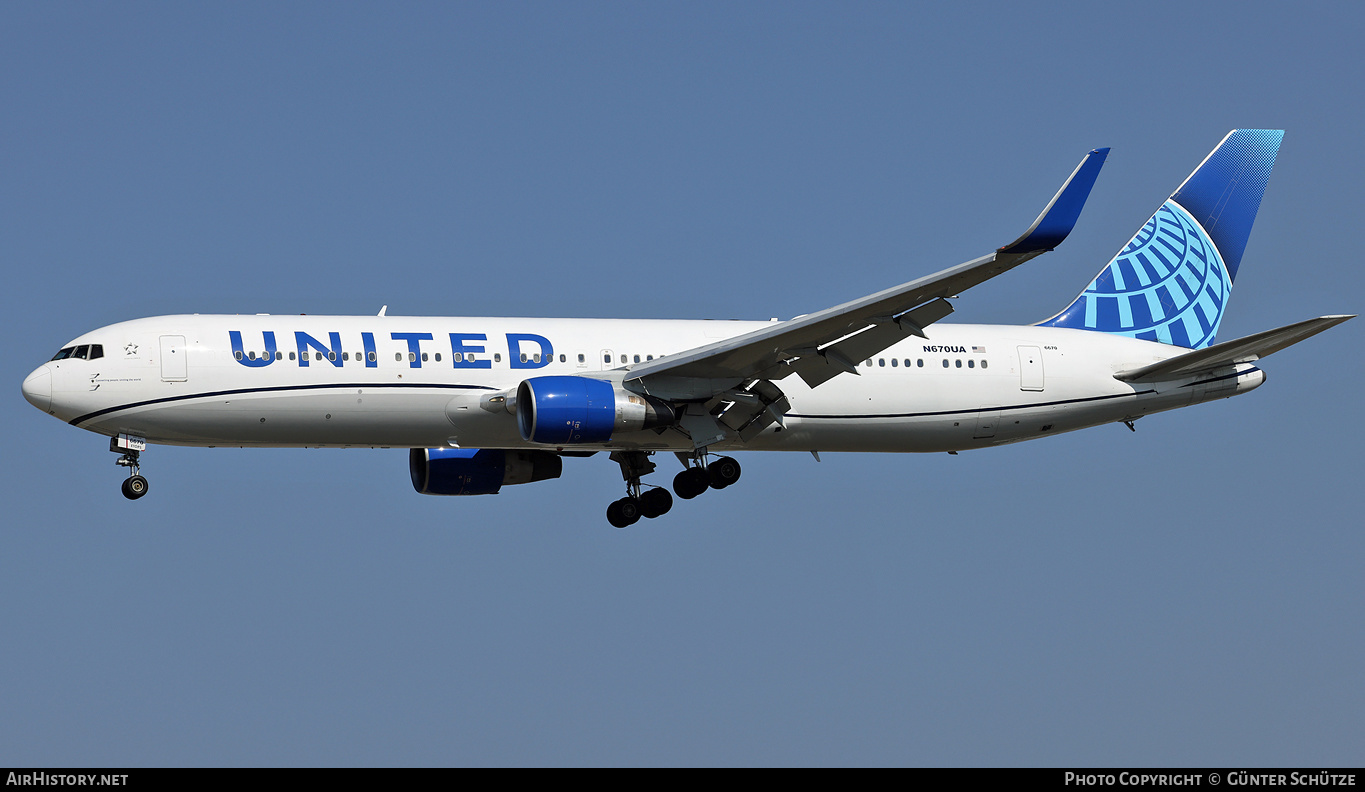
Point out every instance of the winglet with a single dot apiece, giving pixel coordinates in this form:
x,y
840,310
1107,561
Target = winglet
x,y
1057,220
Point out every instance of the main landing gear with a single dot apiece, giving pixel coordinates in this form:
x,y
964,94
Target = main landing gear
x,y
135,486
656,501
639,502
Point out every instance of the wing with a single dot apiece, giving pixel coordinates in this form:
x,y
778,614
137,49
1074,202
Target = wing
x,y
822,345
1239,350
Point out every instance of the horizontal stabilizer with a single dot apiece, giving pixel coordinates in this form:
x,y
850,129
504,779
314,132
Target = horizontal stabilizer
x,y
1240,350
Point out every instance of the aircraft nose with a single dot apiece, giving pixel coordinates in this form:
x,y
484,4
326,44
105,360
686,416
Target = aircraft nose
x,y
38,388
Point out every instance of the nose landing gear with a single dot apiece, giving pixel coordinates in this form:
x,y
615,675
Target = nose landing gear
x,y
135,486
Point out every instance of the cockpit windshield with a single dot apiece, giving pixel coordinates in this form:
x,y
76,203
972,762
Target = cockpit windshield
x,y
82,352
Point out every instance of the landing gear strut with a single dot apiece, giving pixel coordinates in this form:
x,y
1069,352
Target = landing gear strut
x,y
645,501
639,502
135,486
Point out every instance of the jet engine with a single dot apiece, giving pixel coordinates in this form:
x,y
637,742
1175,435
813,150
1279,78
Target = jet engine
x,y
478,471
574,410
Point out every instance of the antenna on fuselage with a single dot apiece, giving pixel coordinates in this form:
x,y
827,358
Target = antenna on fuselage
x,y
383,309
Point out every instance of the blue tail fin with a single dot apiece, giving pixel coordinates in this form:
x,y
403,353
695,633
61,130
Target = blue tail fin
x,y
1171,282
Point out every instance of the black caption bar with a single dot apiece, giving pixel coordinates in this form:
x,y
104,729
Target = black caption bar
x,y
1078,778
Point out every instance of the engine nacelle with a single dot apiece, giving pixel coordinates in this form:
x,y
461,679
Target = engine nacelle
x,y
478,471
575,410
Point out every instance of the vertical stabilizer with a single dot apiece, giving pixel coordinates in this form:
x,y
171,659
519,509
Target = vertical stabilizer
x,y
1171,282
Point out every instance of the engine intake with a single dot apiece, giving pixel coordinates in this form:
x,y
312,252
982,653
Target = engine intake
x,y
576,410
478,471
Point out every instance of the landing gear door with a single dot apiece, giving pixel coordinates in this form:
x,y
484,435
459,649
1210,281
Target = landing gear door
x,y
986,422
173,366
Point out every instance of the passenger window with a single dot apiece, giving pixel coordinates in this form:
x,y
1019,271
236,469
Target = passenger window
x,y
237,355
332,356
919,363
536,358
881,362
279,356
959,363
623,358
458,357
983,364
606,358
398,356
945,362
424,357
345,356
370,356
438,357
497,357
565,358
317,356
637,358
971,363
523,357
291,355
894,362
907,362
251,355
868,363
581,358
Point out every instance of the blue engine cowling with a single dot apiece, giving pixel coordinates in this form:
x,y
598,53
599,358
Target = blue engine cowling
x,y
478,471
577,410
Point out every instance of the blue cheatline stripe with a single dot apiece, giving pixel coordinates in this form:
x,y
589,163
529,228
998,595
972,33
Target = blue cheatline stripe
x,y
278,389
976,410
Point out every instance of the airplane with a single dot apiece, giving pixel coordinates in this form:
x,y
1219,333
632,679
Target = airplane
x,y
482,403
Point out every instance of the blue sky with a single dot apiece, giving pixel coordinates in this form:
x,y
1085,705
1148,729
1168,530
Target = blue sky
x,y
1186,594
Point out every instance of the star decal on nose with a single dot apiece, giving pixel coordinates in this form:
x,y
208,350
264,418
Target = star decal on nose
x,y
130,349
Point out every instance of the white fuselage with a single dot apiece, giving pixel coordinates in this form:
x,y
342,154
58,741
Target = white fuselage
x,y
389,381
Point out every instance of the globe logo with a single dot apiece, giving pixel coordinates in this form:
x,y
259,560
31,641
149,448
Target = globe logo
x,y
1168,284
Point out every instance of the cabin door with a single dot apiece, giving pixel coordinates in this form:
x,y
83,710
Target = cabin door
x,y
173,367
1030,368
